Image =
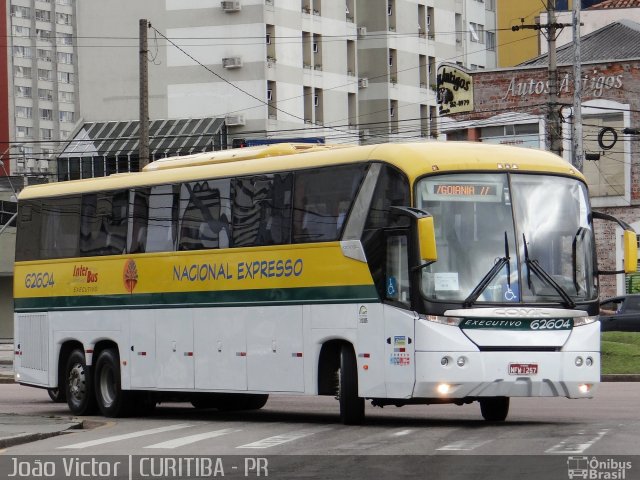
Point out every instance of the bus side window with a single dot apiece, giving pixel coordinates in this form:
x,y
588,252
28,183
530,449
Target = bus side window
x,y
28,231
138,221
162,218
262,210
60,227
205,215
103,226
322,201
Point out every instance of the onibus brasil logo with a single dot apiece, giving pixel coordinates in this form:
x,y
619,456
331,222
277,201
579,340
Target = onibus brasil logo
x,y
593,468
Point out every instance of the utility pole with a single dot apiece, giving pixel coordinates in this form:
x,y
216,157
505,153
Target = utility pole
x,y
143,147
551,30
578,151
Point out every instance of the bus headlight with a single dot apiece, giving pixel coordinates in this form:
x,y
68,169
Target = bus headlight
x,y
580,321
453,321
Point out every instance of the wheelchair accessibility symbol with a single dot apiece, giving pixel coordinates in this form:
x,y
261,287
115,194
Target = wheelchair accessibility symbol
x,y
392,287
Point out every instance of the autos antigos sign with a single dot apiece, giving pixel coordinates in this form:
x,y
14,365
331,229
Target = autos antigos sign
x,y
454,90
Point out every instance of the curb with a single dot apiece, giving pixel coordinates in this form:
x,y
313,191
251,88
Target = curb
x,y
621,377
33,437
6,379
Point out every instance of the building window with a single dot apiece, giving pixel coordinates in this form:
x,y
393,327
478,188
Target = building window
x,y
44,74
44,55
43,35
20,31
46,133
45,94
23,52
66,97
477,32
22,72
22,91
65,77
67,116
22,132
66,58
43,15
24,112
491,41
20,12
46,114
63,18
65,39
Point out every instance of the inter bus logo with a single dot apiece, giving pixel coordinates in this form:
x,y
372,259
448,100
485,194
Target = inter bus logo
x,y
130,275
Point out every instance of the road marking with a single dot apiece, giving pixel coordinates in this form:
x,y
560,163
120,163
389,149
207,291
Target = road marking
x,y
576,444
402,433
127,436
280,439
464,445
180,442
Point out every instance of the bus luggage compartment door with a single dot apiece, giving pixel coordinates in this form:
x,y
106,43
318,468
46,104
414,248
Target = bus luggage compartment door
x,y
32,348
400,369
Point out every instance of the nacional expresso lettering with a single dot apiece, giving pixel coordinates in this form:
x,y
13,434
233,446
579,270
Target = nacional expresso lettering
x,y
257,269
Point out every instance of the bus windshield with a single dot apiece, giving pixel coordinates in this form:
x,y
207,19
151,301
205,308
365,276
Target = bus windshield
x,y
508,238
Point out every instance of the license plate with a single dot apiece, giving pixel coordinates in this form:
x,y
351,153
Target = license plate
x,y
523,369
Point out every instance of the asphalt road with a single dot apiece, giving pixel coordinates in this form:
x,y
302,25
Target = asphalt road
x,y
545,433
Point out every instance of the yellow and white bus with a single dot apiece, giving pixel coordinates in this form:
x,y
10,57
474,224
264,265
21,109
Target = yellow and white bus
x,y
398,273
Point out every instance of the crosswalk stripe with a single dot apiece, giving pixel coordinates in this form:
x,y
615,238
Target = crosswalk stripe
x,y
280,439
126,436
180,442
464,445
576,444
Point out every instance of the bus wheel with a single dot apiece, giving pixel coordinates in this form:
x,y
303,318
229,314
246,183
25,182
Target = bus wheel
x,y
112,400
78,386
494,409
56,395
351,406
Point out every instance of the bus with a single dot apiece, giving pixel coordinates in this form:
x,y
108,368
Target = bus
x,y
420,273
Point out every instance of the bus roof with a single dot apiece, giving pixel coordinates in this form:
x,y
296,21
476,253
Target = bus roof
x,y
415,159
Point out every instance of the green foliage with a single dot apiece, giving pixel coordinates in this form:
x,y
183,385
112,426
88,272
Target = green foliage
x,y
620,352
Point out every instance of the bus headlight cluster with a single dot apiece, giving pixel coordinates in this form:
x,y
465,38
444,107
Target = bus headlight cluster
x,y
580,361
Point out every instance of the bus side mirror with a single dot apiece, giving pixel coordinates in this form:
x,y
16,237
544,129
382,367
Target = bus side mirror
x,y
630,240
427,239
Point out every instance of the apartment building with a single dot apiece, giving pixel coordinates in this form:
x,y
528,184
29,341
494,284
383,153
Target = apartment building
x,y
345,70
43,82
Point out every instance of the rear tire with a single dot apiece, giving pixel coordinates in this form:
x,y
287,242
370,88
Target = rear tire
x,y
79,385
351,406
112,400
494,409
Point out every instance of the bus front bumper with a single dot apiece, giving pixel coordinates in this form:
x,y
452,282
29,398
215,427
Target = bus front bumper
x,y
454,375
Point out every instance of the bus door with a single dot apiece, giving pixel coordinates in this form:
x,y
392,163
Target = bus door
x,y
399,318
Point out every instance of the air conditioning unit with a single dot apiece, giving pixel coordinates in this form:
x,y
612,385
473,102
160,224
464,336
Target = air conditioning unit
x,y
428,20
362,31
232,62
315,47
316,100
231,6
269,94
234,120
31,163
363,83
43,165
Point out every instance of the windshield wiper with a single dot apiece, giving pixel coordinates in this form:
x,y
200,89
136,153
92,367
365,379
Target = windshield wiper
x,y
490,275
541,273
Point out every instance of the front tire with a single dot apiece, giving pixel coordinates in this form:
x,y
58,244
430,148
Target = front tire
x,y
57,395
112,400
351,405
79,385
494,409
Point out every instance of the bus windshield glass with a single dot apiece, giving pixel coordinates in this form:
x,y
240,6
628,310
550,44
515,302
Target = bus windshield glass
x,y
508,238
